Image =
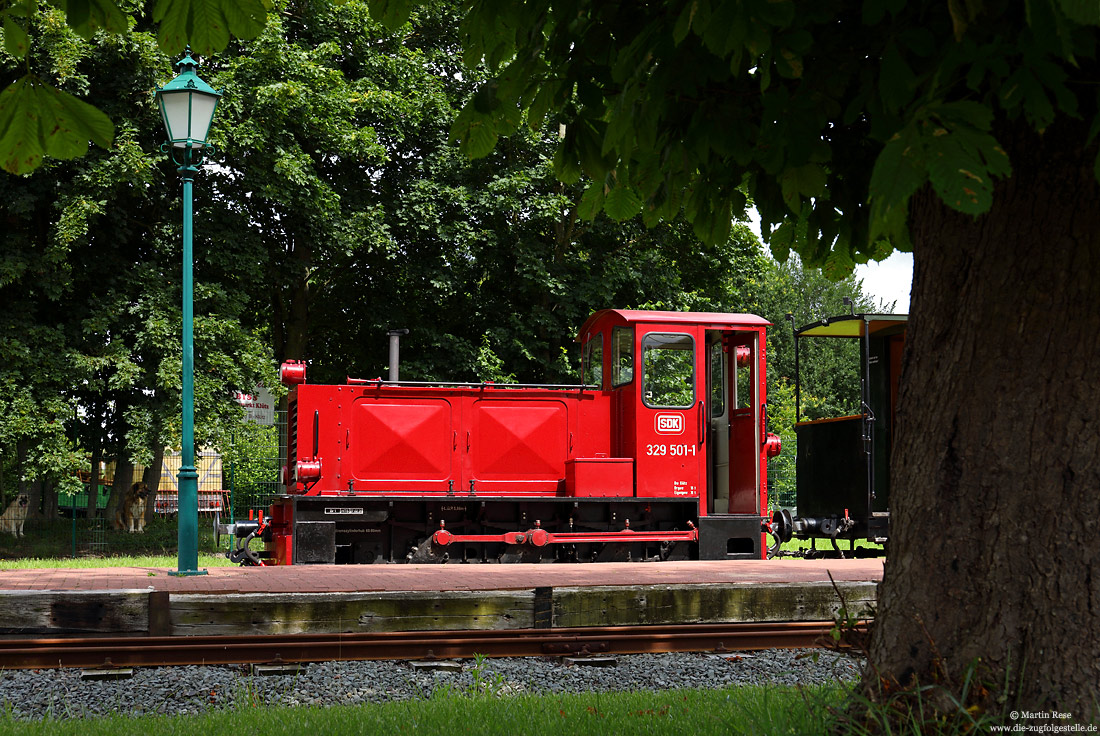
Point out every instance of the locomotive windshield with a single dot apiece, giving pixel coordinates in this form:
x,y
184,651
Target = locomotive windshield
x,y
668,370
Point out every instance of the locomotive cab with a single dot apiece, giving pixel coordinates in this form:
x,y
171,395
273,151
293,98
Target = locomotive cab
x,y
688,395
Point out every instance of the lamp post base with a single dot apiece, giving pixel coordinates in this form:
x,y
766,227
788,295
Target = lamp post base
x,y
187,518
186,573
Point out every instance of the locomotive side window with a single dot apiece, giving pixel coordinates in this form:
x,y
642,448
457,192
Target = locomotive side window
x,y
668,371
592,370
622,353
717,370
744,398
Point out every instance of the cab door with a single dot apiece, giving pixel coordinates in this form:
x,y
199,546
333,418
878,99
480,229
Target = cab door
x,y
745,436
718,437
671,422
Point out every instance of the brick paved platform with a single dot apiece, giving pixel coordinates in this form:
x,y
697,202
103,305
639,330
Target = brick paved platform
x,y
418,597
363,578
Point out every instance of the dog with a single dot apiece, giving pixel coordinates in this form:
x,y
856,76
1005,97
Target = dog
x,y
13,517
131,512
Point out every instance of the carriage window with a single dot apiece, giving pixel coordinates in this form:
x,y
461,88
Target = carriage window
x,y
592,371
717,379
668,371
622,353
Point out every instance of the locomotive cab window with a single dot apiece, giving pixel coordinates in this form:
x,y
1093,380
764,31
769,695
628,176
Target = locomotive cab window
x,y
592,362
668,371
622,355
746,396
717,368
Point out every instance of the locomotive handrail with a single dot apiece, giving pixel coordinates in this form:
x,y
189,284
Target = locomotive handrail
x,y
482,384
827,420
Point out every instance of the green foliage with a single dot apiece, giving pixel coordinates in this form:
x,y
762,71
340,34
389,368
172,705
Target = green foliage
x,y
820,111
782,488
90,279
38,119
829,368
968,702
206,25
170,561
252,465
354,215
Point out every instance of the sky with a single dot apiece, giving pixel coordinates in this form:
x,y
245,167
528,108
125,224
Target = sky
x,y
887,281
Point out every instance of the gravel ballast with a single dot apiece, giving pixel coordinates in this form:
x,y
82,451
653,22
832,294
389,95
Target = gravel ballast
x,y
37,694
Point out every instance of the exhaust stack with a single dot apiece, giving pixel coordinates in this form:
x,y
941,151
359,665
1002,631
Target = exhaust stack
x,y
395,353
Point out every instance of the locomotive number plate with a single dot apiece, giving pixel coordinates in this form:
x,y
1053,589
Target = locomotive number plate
x,y
673,450
342,511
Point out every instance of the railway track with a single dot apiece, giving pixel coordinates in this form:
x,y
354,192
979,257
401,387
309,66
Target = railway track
x,y
416,645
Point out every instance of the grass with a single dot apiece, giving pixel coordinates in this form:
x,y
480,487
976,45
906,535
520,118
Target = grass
x,y
206,559
803,545
750,710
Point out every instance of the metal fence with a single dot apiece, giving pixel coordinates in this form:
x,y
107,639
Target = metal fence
x,y
781,476
253,466
230,483
76,535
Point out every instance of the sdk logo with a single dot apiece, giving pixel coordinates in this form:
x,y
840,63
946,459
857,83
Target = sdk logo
x,y
670,424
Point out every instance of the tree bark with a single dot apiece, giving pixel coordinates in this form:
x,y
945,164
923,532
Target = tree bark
x,y
93,485
33,489
124,477
996,506
49,498
291,313
151,477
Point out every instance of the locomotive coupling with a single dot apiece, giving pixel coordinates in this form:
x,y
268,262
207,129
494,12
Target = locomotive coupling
x,y
782,526
829,526
244,532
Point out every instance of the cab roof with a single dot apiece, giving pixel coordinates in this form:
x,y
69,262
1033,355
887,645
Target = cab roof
x,y
854,325
708,319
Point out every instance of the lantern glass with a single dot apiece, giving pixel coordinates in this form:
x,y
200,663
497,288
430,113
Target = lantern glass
x,y
187,116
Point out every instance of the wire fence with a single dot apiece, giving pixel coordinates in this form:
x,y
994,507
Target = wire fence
x,y
242,478
253,466
781,476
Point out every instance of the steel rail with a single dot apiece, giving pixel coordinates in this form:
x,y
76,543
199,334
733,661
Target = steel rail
x,y
140,651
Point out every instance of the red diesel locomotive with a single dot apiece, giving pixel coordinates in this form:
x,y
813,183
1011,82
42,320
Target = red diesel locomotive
x,y
661,453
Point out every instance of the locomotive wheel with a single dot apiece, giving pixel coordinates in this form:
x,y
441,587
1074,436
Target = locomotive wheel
x,y
427,553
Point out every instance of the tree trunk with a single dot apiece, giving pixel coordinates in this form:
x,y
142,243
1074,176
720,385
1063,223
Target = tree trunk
x,y
151,478
33,489
93,485
124,477
49,498
291,309
996,510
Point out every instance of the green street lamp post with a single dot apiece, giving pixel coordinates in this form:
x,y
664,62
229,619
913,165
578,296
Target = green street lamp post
x,y
187,106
